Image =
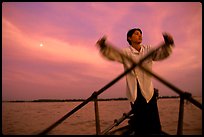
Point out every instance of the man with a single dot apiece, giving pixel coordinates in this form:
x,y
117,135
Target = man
x,y
140,90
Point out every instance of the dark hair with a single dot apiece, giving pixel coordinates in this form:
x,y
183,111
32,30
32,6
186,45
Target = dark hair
x,y
130,32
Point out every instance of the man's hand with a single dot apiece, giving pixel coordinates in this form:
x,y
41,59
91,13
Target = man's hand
x,y
168,39
101,42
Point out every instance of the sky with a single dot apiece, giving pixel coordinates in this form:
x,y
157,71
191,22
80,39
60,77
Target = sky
x,y
49,48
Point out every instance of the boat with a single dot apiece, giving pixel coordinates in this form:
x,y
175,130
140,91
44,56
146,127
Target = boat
x,y
126,129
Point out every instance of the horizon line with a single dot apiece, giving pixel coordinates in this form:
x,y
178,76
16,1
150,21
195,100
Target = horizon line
x,y
81,99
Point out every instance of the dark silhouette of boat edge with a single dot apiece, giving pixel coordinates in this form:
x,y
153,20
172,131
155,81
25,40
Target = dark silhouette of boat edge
x,y
125,130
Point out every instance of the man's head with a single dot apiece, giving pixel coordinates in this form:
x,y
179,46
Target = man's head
x,y
134,35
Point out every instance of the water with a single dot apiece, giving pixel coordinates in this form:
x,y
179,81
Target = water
x,y
30,118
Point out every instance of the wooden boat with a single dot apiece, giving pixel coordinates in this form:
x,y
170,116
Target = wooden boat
x,y
125,130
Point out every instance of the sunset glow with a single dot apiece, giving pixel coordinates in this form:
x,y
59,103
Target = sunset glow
x,y
61,60
41,44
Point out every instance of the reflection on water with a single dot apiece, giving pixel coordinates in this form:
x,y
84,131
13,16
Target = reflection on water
x,y
30,118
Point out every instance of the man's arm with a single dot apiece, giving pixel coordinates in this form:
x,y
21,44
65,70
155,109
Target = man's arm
x,y
108,51
166,49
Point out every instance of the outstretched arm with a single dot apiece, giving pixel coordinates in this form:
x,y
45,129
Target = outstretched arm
x,y
166,49
108,51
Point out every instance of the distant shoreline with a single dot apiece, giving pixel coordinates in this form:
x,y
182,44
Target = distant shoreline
x,y
80,100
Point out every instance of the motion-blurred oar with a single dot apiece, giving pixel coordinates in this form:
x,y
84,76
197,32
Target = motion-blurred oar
x,y
95,94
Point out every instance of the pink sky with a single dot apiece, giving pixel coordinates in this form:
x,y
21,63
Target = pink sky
x,y
69,65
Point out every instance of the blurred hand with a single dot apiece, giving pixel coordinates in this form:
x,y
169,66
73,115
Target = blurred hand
x,y
101,42
168,39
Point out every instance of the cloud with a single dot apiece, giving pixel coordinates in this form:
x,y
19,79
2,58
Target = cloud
x,y
69,57
56,65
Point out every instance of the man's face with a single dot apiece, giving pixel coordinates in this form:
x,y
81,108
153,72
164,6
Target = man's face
x,y
136,37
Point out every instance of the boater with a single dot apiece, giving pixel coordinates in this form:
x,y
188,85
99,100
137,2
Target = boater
x,y
140,90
